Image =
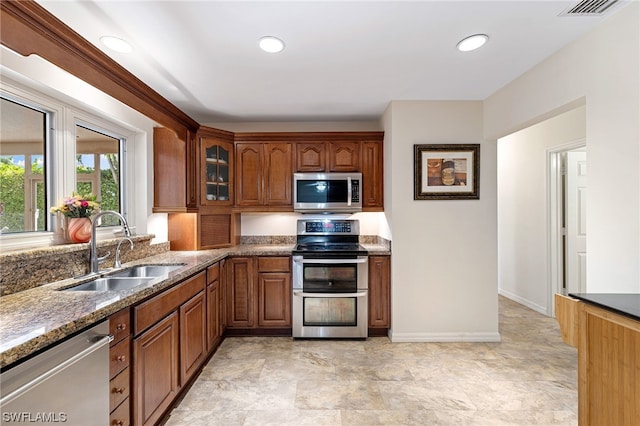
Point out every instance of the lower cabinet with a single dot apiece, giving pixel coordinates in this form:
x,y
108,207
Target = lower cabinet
x,y
193,336
240,293
379,292
274,292
156,369
259,292
119,368
214,312
169,346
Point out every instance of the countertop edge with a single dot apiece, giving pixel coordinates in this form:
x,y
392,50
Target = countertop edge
x,y
597,299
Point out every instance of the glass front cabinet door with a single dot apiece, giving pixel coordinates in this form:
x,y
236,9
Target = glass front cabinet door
x,y
217,172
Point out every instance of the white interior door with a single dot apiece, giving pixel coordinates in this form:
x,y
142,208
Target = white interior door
x,y
576,221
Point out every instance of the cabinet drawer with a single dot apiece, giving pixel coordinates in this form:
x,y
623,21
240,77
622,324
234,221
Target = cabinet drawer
x,y
120,325
153,310
119,357
120,416
274,264
213,273
119,389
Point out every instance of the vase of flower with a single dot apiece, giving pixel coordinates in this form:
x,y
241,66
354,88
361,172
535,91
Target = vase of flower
x,y
77,210
78,229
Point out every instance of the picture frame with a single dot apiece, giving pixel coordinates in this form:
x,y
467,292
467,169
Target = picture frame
x,y
446,172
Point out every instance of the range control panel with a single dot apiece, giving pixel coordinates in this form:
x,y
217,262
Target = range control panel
x,y
328,226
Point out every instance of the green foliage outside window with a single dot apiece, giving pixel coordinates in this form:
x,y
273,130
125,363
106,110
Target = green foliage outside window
x,y
12,194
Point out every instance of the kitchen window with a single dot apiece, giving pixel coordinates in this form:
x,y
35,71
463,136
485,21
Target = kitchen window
x,y
47,151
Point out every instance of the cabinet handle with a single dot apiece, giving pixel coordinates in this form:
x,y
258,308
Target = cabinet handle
x,y
121,358
121,327
118,390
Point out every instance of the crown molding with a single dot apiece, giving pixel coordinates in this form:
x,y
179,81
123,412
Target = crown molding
x,y
29,29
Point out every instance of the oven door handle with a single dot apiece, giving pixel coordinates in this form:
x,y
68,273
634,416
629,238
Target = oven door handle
x,y
332,261
325,295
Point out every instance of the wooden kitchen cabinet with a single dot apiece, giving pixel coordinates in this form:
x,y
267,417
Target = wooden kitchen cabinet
x,y
214,324
259,293
240,293
216,168
211,223
608,345
372,176
329,156
175,171
170,342
119,371
379,292
311,157
274,292
156,370
263,174
344,156
193,336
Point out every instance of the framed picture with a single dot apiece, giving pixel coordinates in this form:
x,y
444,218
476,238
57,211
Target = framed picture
x,y
446,172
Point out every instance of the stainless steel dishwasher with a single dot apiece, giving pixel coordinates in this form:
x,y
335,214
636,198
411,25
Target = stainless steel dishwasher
x,y
68,383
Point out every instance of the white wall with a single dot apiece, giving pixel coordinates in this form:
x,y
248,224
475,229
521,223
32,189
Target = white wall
x,y
444,282
602,67
523,252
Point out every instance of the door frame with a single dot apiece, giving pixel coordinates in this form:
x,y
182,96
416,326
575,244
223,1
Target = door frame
x,y
555,248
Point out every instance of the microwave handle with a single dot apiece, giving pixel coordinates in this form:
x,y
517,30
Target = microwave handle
x,y
349,192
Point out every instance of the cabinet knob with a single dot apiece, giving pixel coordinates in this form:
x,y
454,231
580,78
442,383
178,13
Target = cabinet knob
x,y
117,423
121,358
121,327
118,390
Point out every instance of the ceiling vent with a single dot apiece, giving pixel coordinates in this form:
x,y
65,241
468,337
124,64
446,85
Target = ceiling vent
x,y
589,8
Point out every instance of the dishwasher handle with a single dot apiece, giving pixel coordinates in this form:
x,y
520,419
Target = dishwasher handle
x,y
100,341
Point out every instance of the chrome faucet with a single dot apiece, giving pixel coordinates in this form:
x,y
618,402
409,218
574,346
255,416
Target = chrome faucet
x,y
94,260
117,263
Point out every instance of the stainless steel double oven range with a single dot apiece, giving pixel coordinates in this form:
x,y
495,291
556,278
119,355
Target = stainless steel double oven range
x,y
330,280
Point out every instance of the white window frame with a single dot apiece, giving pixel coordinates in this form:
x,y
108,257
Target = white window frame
x,y
60,154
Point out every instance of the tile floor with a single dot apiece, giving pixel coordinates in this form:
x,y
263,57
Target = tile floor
x,y
530,378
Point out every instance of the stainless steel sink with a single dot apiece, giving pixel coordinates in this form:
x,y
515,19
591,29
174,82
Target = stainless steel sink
x,y
147,271
111,284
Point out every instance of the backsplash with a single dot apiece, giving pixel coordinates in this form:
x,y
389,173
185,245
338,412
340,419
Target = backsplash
x,y
32,268
291,239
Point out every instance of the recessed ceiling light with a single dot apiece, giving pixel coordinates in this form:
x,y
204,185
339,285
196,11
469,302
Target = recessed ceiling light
x,y
271,44
116,44
472,42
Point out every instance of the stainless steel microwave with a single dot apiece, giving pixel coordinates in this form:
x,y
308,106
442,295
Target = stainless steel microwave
x,y
327,192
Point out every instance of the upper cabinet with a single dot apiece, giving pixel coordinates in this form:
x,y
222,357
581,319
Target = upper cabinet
x,y
218,172
174,166
263,174
329,156
216,166
344,156
311,157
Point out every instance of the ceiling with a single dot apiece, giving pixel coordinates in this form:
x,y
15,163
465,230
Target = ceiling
x,y
344,60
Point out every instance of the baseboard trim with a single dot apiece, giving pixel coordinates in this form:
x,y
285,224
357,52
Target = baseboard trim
x,y
444,337
521,300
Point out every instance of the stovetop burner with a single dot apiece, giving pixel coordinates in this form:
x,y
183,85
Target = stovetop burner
x,y
319,237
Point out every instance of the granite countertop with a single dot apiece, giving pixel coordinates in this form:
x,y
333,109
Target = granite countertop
x,y
36,318
627,304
